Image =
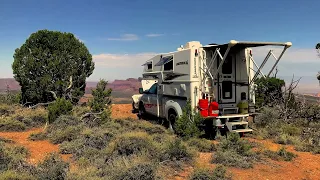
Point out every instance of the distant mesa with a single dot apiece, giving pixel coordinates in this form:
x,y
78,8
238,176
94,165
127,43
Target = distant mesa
x,y
130,85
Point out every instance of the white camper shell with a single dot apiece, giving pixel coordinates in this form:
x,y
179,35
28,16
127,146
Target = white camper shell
x,y
222,73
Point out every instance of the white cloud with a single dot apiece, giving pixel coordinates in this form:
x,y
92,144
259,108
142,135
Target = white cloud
x,y
125,37
154,35
122,60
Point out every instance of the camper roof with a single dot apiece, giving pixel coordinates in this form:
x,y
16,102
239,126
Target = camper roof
x,y
246,44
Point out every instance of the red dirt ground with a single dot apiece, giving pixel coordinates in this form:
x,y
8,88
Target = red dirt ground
x,y
38,149
305,166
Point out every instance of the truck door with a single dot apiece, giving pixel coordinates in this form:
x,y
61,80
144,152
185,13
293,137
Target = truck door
x,y
152,107
226,79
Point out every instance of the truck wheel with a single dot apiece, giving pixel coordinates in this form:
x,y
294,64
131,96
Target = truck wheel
x,y
142,111
172,119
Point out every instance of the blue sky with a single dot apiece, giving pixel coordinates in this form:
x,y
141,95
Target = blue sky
x,y
123,33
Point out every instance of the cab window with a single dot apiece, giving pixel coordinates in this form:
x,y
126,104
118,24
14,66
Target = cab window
x,y
153,89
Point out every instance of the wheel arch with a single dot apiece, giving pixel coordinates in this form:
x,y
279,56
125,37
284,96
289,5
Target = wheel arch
x,y
172,106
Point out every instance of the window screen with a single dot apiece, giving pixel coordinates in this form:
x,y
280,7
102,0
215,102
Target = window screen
x,y
168,66
227,89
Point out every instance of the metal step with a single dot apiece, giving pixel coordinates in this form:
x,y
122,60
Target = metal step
x,y
231,124
242,130
237,123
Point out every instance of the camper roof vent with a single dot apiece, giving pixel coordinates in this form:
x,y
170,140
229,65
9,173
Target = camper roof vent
x,y
192,44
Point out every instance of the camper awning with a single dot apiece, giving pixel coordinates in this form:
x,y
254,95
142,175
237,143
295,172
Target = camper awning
x,y
164,60
237,45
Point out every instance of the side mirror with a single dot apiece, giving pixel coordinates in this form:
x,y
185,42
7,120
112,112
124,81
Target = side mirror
x,y
140,90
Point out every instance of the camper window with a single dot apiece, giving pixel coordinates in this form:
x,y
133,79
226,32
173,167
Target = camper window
x,y
168,66
227,66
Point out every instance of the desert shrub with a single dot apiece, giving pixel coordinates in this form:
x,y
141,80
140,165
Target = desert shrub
x,y
281,154
188,124
10,97
4,140
64,121
310,139
9,124
231,158
12,157
287,139
37,136
177,150
90,140
291,130
202,145
53,168
141,170
236,152
219,173
68,133
267,117
60,107
31,117
5,110
78,111
14,175
132,143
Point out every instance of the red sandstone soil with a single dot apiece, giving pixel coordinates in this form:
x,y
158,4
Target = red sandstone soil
x,y
305,166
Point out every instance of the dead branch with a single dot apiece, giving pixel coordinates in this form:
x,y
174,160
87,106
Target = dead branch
x,y
41,104
70,85
91,114
54,94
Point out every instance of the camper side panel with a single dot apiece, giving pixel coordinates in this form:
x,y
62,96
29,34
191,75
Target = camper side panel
x,y
242,75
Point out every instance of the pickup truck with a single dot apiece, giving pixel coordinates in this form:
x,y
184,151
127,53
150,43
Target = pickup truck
x,y
146,84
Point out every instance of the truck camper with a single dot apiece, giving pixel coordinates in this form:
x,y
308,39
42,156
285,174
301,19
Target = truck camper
x,y
218,79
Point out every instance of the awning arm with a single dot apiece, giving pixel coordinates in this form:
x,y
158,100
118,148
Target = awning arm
x,y
278,59
261,66
231,44
254,62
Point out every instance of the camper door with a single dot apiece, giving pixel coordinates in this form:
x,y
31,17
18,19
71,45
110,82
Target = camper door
x,y
226,80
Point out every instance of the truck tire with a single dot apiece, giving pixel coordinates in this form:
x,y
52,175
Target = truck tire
x,y
141,110
172,116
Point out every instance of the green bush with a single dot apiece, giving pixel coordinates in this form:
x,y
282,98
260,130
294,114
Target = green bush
x,y
268,90
60,107
202,145
188,124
